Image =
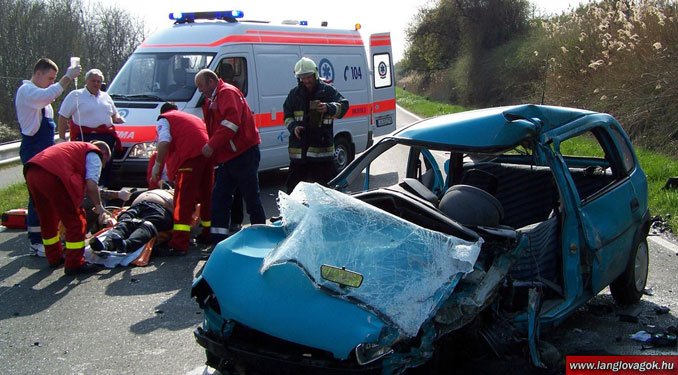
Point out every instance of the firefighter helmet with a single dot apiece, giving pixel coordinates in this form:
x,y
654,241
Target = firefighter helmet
x,y
305,66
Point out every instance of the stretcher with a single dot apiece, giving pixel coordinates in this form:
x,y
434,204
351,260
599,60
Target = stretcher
x,y
140,257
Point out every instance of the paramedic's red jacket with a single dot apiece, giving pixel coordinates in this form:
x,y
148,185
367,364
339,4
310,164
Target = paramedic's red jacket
x,y
230,123
189,135
66,160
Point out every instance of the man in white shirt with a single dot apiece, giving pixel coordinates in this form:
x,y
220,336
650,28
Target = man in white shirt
x,y
36,118
91,114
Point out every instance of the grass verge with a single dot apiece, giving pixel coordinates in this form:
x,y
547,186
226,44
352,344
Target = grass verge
x,y
13,196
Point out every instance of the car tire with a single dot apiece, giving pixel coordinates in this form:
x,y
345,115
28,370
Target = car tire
x,y
343,153
628,287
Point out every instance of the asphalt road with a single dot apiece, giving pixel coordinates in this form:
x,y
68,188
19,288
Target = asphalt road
x,y
140,320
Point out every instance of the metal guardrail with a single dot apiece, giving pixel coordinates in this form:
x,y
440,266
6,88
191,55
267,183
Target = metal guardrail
x,y
9,152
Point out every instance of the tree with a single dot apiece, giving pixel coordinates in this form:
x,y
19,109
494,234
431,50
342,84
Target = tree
x,y
103,37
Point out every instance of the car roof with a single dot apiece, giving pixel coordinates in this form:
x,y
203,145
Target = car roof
x,y
489,129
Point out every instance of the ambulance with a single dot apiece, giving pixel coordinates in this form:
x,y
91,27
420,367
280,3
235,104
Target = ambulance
x,y
257,57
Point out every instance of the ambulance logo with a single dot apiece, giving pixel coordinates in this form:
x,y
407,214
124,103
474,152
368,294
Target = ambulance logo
x,y
382,69
326,70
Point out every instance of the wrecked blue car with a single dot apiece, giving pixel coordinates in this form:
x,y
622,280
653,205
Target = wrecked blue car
x,y
456,235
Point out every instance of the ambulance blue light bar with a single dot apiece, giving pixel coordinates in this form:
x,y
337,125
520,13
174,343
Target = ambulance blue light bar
x,y
189,17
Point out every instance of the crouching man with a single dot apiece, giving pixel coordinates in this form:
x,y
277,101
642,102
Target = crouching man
x,y
58,179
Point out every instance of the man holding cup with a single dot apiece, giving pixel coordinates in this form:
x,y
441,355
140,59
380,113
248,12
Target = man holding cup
x,y
310,110
34,111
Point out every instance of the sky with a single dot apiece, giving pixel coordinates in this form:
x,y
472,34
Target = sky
x,y
374,16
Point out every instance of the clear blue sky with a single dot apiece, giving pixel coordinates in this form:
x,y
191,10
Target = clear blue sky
x,y
374,16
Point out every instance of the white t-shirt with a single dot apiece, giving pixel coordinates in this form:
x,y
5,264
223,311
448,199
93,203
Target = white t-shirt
x,y
92,167
29,102
88,110
163,128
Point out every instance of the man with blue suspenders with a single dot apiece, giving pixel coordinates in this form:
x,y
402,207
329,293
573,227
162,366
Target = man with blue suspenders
x,y
36,118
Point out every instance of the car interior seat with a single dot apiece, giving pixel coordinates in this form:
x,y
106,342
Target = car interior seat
x,y
470,205
481,179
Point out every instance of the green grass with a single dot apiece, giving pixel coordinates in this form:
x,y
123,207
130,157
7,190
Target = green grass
x,y
13,196
657,167
423,107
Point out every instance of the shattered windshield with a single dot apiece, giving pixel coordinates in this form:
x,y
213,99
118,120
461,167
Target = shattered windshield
x,y
158,77
408,270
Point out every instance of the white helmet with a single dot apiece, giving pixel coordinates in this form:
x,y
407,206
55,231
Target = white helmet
x,y
305,66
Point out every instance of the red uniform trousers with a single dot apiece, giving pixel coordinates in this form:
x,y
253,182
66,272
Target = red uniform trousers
x,y
53,203
194,181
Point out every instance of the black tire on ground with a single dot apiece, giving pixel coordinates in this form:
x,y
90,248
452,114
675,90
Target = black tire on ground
x,y
628,287
343,153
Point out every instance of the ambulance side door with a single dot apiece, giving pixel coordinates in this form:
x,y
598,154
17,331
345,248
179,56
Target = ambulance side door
x,y
383,84
235,65
275,78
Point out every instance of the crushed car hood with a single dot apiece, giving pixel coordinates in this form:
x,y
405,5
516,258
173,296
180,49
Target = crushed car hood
x,y
283,303
268,277
408,270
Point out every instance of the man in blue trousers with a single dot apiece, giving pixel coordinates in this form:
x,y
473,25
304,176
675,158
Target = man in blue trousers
x,y
34,111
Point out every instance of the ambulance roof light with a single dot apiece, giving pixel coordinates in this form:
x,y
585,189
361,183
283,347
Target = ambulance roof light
x,y
303,23
190,17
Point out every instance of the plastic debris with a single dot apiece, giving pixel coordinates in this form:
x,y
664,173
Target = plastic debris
x,y
641,336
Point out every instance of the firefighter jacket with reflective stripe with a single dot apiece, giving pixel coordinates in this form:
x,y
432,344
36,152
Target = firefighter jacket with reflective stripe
x,y
67,161
317,139
230,123
189,135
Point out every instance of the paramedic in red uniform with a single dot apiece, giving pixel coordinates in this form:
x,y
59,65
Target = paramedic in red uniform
x,y
36,119
234,146
91,114
310,110
181,137
58,179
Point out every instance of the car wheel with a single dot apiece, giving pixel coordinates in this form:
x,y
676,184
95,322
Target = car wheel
x,y
629,286
343,153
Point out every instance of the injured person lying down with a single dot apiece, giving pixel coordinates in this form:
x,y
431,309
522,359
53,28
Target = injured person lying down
x,y
149,215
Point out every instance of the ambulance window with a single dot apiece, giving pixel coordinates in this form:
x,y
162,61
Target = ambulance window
x,y
233,70
381,64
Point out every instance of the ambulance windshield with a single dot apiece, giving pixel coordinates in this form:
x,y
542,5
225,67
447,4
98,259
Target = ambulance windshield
x,y
159,77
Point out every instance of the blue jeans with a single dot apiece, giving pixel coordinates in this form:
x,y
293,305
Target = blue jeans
x,y
242,173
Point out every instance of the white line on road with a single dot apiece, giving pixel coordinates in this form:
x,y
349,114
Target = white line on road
x,y
658,240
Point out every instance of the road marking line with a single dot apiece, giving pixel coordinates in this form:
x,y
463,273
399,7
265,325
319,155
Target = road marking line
x,y
658,240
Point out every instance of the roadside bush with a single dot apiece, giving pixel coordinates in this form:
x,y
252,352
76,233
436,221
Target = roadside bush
x,y
619,57
8,133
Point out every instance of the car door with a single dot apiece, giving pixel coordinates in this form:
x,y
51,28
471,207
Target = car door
x,y
610,202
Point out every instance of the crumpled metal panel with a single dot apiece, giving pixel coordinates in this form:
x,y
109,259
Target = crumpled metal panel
x,y
408,270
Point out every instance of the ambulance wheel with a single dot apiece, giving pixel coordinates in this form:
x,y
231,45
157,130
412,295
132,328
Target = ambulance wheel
x,y
343,153
628,287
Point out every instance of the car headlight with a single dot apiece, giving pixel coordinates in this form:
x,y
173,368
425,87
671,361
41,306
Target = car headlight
x,y
142,150
367,353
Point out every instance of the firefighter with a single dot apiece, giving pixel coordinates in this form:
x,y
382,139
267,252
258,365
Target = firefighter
x,y
36,118
310,110
181,137
58,178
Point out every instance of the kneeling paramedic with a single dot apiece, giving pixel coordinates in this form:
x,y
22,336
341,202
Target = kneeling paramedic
x,y
58,179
